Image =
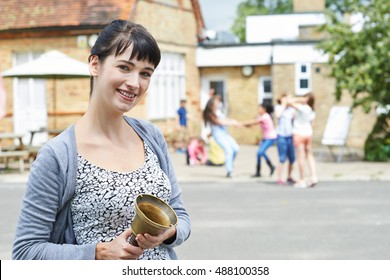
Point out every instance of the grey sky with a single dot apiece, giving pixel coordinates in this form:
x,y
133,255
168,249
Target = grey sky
x,y
219,14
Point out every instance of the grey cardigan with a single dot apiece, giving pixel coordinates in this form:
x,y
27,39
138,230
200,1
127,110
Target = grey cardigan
x,y
45,229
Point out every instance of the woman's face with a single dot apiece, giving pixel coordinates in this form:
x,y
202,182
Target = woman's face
x,y
122,83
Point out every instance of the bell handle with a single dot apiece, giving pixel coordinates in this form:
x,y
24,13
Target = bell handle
x,y
132,241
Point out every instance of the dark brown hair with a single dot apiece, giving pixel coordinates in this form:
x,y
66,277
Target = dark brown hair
x,y
208,112
119,35
279,100
310,100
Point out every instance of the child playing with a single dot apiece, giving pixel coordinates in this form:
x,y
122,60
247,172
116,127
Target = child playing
x,y
267,127
216,156
196,152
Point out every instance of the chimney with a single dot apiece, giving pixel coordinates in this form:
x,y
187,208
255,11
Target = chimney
x,y
307,6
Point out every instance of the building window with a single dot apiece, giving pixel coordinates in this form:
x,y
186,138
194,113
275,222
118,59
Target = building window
x,y
265,91
303,83
29,101
167,87
302,78
267,86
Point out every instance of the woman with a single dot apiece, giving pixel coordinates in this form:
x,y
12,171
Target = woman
x,y
79,200
218,122
302,137
268,130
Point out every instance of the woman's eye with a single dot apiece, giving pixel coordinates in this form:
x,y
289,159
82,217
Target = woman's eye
x,y
124,67
146,74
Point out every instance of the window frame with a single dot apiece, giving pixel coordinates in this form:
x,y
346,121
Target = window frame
x,y
301,76
167,87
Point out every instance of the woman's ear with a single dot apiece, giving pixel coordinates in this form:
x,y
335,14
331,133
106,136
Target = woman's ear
x,y
94,65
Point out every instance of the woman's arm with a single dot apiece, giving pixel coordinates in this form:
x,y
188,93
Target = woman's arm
x,y
43,224
39,217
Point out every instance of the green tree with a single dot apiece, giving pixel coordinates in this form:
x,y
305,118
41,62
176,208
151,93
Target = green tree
x,y
359,55
257,7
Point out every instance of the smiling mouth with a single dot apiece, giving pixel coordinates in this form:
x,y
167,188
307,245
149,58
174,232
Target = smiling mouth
x,y
126,94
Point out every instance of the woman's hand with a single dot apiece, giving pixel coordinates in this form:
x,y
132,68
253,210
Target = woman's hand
x,y
118,249
147,241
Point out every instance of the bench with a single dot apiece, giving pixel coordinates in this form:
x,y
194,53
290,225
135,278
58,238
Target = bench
x,y
336,131
20,155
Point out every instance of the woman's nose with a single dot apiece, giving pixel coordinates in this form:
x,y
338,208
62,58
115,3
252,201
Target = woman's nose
x,y
132,80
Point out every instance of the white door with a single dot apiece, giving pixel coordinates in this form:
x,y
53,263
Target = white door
x,y
218,83
264,92
30,111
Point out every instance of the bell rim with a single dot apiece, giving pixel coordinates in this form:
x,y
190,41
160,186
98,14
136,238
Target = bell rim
x,y
140,213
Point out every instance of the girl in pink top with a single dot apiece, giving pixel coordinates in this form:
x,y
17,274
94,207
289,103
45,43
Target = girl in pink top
x,y
267,127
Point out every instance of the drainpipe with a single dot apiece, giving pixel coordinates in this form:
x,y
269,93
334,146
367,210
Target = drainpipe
x,y
133,10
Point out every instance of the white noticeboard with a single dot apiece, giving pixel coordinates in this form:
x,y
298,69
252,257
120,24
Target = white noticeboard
x,y
337,126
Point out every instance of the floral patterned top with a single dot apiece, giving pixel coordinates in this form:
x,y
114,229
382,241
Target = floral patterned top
x,y
103,204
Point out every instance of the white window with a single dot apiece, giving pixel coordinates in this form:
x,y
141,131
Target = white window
x,y
302,78
264,92
167,87
29,96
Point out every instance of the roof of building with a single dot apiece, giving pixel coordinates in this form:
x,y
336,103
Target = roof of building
x,y
277,52
34,14
267,28
26,14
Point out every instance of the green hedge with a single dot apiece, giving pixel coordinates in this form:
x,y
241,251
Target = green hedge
x,y
377,146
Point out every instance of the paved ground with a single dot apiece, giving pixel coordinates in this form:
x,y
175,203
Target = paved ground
x,y
333,221
344,217
351,168
260,220
11,195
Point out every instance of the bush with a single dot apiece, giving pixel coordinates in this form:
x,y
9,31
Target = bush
x,y
377,146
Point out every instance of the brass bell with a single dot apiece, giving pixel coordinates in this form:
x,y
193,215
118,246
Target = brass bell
x,y
152,216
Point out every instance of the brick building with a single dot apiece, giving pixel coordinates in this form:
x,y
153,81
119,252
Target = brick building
x,y
247,74
280,56
30,28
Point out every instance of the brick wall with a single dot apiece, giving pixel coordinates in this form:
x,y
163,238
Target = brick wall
x,y
310,33
324,88
168,23
302,6
173,26
242,97
241,94
175,30
72,95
